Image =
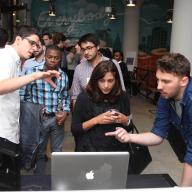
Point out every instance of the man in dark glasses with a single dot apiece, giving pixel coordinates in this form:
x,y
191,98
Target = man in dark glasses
x,y
25,42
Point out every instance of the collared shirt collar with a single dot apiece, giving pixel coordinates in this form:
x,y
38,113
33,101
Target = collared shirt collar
x,y
187,91
14,53
43,67
42,60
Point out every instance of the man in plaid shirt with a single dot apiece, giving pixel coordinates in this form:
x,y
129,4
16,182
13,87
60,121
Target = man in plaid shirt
x,y
44,102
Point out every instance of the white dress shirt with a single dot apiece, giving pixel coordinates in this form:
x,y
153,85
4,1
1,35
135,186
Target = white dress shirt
x,y
9,103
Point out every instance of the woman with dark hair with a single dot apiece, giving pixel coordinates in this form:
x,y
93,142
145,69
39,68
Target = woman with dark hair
x,y
102,107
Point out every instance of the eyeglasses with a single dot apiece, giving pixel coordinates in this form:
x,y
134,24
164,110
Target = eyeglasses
x,y
87,48
32,43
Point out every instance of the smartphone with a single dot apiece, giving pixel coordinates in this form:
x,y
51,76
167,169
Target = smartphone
x,y
114,112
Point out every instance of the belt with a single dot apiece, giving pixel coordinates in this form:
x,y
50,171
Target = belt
x,y
52,114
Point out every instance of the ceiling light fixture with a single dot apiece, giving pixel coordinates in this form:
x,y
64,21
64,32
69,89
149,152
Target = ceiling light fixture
x,y
52,12
17,21
110,11
130,3
112,17
169,16
170,21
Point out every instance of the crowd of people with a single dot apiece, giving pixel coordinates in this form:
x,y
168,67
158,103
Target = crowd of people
x,y
44,78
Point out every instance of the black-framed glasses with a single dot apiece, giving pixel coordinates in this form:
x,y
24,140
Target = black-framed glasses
x,y
89,48
32,43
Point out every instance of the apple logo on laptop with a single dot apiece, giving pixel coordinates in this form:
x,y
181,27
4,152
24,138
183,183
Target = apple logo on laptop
x,y
89,175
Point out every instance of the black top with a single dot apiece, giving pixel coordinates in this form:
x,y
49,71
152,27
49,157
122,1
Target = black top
x,y
94,139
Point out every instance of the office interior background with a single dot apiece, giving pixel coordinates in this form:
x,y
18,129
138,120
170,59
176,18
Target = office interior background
x,y
150,23
105,18
142,32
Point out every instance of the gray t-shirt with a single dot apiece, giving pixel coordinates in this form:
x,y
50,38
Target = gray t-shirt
x,y
176,104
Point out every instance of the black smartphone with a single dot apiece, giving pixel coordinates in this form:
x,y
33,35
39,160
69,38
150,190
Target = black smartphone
x,y
114,112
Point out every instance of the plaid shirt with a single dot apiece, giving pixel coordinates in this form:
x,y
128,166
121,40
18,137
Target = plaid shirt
x,y
41,92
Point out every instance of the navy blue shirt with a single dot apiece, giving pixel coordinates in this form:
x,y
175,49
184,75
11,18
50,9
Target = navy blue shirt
x,y
166,115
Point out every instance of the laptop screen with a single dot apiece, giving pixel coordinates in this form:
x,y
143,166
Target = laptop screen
x,y
89,170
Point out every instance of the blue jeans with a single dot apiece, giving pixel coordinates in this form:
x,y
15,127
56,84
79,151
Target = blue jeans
x,y
35,129
50,128
30,129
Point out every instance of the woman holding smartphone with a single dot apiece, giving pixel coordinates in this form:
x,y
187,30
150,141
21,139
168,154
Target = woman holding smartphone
x,y
102,107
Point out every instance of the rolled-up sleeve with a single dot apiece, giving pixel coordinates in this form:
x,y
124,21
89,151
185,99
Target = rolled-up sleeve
x,y
188,154
162,119
187,119
76,86
65,93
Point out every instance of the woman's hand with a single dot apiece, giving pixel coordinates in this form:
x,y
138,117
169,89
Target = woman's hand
x,y
119,117
105,118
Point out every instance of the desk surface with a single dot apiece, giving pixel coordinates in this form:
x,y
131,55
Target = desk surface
x,y
149,181
39,183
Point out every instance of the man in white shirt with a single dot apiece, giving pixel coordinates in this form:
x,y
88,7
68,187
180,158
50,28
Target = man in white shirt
x,y
38,59
25,42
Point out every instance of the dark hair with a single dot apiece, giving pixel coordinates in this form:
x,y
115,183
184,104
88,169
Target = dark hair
x,y
3,37
52,47
24,31
89,37
118,51
106,52
48,34
98,73
41,40
174,63
57,37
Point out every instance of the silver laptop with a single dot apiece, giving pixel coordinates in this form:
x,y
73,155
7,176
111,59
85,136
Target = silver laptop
x,y
89,170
